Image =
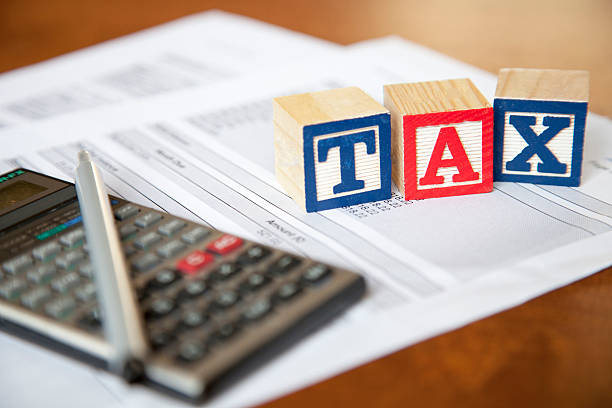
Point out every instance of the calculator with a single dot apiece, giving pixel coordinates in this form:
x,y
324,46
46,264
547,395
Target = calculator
x,y
214,305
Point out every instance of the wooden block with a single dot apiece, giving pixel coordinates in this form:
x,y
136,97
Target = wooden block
x,y
442,138
332,148
540,117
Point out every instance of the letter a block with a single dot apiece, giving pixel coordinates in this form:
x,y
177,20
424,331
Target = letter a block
x,y
540,116
332,148
442,138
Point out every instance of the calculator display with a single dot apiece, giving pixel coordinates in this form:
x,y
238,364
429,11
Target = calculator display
x,y
25,193
18,191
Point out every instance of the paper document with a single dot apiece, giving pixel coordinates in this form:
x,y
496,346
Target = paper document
x,y
192,52
433,265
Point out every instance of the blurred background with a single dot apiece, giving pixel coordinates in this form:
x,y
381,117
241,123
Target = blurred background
x,y
571,34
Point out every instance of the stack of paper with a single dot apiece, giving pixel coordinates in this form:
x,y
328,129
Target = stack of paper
x,y
179,118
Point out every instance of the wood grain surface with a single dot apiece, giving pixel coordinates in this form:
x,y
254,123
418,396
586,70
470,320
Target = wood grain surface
x,y
555,350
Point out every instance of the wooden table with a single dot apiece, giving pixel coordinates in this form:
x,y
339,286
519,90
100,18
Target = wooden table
x,y
554,350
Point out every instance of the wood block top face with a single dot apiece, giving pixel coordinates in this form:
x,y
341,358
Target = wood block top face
x,y
448,153
434,96
543,84
327,106
538,141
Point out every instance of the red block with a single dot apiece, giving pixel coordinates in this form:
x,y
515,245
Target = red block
x,y
448,153
442,140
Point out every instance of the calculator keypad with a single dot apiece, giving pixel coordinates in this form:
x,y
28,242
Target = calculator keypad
x,y
200,290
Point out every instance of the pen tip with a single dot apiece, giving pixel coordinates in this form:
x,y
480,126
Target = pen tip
x,y
133,370
84,156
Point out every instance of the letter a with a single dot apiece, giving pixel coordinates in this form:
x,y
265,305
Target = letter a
x,y
448,137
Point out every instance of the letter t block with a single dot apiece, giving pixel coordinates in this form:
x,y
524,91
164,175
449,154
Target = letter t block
x,y
332,148
540,117
442,138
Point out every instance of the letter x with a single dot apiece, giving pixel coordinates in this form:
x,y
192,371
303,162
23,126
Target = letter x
x,y
536,144
346,144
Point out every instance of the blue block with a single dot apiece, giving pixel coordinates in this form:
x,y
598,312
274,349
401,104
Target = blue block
x,y
538,141
337,152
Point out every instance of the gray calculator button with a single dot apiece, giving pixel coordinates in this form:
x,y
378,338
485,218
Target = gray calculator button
x,y
191,350
147,240
86,292
172,227
224,332
226,270
227,299
257,310
42,274
18,264
65,282
46,251
129,250
69,259
316,273
193,318
287,291
127,230
145,262
160,307
148,219
60,307
73,238
195,235
126,212
11,288
170,249
35,297
86,269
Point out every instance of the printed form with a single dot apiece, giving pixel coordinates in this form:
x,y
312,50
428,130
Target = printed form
x,y
433,265
188,53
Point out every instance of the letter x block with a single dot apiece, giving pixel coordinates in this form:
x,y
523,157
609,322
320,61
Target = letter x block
x,y
332,148
539,125
442,138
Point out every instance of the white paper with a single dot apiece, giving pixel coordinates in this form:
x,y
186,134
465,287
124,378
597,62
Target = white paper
x,y
189,53
431,265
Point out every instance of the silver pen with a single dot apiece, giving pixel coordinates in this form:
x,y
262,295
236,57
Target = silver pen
x,y
122,321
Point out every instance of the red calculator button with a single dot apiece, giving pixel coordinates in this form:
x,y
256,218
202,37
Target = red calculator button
x,y
224,244
194,261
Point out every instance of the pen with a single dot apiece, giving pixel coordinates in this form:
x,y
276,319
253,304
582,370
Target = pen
x,y
122,322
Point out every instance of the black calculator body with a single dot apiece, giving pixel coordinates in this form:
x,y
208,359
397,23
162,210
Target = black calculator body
x,y
214,305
